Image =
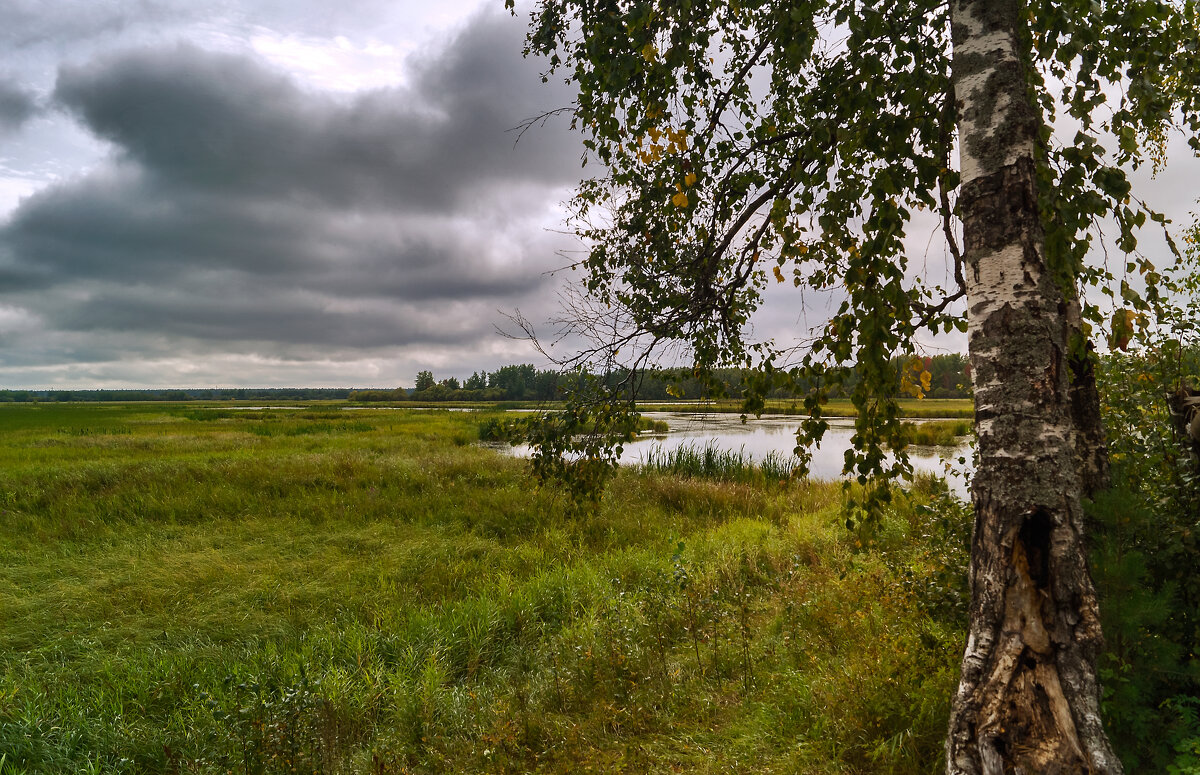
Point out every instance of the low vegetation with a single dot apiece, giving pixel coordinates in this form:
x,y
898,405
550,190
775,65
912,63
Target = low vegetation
x,y
507,429
711,461
935,408
837,407
198,589
938,433
205,590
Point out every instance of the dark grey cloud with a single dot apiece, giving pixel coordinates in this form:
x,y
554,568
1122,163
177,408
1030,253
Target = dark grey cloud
x,y
222,122
241,210
285,319
17,105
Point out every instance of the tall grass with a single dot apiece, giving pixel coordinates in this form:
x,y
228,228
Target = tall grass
x,y
377,594
711,461
507,429
938,433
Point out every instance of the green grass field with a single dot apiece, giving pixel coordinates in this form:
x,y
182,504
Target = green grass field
x,y
206,589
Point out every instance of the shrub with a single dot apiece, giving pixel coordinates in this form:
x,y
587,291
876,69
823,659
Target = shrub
x,y
1146,557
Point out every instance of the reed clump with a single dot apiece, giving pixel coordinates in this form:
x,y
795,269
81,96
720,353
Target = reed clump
x,y
711,461
938,433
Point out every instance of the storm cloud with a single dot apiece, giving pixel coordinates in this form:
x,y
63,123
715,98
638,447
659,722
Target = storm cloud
x,y
244,211
17,105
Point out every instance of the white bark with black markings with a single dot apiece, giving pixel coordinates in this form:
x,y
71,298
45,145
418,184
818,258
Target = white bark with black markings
x,y
1028,701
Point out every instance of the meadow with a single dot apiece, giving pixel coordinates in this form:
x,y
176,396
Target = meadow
x,y
211,589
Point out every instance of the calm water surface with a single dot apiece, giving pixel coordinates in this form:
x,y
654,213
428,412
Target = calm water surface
x,y
777,433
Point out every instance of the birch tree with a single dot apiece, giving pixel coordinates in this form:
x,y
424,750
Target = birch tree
x,y
791,141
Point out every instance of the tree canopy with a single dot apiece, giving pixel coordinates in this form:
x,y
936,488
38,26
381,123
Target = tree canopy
x,y
755,142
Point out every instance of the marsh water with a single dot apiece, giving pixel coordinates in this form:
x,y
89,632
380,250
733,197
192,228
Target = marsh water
x,y
757,438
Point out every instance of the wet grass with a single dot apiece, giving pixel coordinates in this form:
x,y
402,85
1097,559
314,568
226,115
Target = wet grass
x,y
711,461
202,589
938,433
496,427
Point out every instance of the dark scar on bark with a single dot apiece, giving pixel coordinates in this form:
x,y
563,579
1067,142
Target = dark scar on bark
x,y
1035,539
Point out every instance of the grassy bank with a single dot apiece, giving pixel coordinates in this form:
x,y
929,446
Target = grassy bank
x,y
842,407
937,433
205,589
838,407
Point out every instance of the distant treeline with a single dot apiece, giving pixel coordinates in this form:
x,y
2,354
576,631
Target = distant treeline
x,y
190,394
948,378
509,383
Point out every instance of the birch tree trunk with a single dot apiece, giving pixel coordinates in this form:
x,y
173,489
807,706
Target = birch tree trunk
x,y
1091,446
1028,701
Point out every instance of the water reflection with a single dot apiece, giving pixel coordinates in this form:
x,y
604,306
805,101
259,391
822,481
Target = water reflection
x,y
777,433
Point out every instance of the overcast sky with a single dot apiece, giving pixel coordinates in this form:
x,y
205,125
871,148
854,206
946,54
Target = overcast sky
x,y
295,192
284,192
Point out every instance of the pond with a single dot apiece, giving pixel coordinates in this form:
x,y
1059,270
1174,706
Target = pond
x,y
776,434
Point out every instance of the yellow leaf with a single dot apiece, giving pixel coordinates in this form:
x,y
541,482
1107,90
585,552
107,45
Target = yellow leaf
x,y
648,52
689,179
778,275
680,200
915,367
